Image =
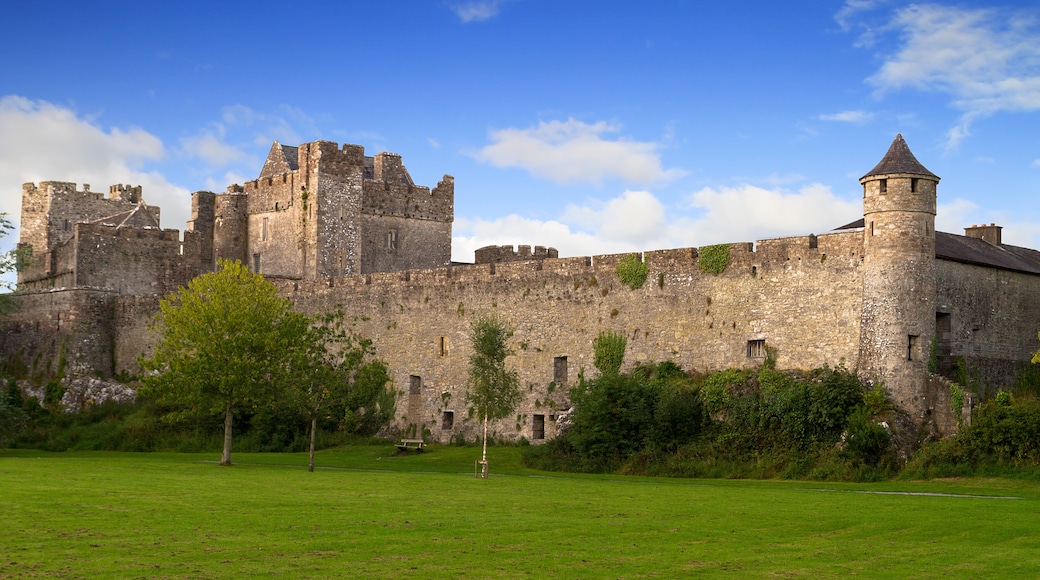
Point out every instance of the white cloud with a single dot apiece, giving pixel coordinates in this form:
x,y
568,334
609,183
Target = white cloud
x,y
858,117
574,151
986,60
953,216
477,11
47,142
638,221
747,212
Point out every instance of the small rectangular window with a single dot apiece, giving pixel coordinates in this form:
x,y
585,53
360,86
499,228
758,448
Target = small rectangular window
x,y
256,263
414,384
263,233
391,239
911,346
884,185
538,427
442,346
447,420
756,348
560,370
913,185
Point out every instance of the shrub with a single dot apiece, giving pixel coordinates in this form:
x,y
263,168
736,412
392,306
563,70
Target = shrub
x,y
632,271
609,352
713,259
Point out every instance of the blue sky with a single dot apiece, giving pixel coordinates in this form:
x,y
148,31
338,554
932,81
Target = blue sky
x,y
591,126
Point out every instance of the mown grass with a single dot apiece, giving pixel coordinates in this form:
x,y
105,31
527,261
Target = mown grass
x,y
369,512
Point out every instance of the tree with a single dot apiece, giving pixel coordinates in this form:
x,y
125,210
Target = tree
x,y
9,262
223,344
331,369
492,389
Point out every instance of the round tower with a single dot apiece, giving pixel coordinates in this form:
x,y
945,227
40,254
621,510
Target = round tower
x,y
898,319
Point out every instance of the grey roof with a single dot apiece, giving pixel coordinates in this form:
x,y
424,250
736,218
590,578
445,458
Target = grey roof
x,y
899,159
980,252
977,251
137,217
292,156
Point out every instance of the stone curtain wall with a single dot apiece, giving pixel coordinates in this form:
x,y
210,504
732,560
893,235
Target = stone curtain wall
x,y
803,301
65,326
993,318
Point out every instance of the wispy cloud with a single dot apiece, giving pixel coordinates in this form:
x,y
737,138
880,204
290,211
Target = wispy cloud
x,y
987,60
477,11
573,151
851,9
857,117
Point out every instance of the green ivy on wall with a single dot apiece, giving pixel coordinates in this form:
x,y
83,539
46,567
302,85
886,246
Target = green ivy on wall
x,y
631,271
713,259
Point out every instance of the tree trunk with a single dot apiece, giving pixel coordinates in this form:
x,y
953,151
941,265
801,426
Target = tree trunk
x,y
225,457
314,425
483,457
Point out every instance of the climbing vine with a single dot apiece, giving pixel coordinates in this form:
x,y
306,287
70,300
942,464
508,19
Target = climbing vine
x,y
713,259
631,271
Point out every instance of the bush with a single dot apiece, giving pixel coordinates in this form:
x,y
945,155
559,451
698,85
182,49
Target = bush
x,y
632,271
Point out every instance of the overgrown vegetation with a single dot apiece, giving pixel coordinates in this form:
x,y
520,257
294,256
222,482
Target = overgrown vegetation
x,y
1002,440
659,420
632,271
713,259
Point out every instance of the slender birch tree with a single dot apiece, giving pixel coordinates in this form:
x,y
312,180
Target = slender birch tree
x,y
492,389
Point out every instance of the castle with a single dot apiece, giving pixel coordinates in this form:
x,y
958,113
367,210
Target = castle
x,y
333,228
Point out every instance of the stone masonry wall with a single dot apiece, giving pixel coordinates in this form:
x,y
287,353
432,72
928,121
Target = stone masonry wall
x,y
803,301
50,211
70,328
988,317
135,260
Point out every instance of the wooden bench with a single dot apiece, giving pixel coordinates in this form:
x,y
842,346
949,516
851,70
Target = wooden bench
x,y
406,444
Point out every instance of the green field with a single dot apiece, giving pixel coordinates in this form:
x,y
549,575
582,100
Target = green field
x,y
368,512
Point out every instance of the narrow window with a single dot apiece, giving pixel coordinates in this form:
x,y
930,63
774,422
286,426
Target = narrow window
x,y
911,346
263,232
884,186
538,427
447,420
913,185
66,225
442,346
256,263
560,370
391,240
756,348
414,384
871,228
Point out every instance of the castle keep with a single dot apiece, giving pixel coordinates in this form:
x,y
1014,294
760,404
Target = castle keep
x,y
332,227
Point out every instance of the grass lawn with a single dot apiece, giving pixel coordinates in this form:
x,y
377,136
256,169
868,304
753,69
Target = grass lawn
x,y
368,512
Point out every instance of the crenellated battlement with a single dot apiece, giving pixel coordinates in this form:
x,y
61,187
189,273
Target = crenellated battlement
x,y
494,254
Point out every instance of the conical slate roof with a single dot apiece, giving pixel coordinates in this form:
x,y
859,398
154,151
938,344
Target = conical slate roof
x,y
899,159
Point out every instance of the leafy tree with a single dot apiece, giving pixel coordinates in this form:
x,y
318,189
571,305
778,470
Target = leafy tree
x,y
224,341
9,262
492,389
332,370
